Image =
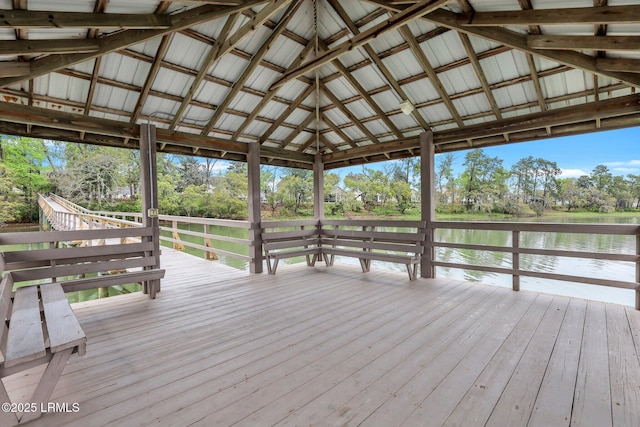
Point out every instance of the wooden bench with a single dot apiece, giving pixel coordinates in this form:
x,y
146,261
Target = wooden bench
x,y
76,268
279,245
367,244
327,238
39,327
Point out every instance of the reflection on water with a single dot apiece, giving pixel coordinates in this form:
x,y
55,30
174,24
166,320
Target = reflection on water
x,y
603,269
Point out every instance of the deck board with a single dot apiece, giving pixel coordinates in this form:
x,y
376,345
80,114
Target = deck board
x,y
333,346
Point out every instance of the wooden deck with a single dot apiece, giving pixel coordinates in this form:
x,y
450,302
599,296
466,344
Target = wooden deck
x,y
336,347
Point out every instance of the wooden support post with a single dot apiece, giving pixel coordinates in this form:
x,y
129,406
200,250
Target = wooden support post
x,y
148,175
638,270
428,201
318,187
255,245
515,243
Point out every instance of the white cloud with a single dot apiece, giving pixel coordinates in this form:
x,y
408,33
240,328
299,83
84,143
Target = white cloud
x,y
624,168
573,173
628,164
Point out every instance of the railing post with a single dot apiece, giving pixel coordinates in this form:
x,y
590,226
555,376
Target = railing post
x,y
638,270
176,236
255,238
515,243
149,186
428,202
208,255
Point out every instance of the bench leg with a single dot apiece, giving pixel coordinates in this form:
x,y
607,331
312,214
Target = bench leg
x,y
365,264
412,269
154,288
47,382
328,259
313,260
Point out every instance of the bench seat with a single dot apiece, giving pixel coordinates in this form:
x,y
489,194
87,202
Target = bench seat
x,y
325,240
39,327
277,249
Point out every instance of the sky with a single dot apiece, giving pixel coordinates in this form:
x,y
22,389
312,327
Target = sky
x,y
578,155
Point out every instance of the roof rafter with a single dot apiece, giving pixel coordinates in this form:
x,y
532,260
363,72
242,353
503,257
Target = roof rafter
x,y
127,38
565,16
338,103
99,8
286,113
257,20
471,53
271,93
584,42
365,96
38,19
151,75
212,56
39,47
518,41
378,62
337,130
433,77
409,14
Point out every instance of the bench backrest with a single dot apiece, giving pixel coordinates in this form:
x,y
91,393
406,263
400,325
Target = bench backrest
x,y
341,233
49,264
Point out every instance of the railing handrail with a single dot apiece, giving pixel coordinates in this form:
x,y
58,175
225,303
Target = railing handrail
x,y
543,227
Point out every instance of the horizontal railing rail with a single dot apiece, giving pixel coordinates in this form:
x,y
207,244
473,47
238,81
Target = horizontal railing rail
x,y
516,249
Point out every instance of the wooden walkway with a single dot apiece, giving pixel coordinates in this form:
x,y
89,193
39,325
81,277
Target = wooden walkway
x,y
335,347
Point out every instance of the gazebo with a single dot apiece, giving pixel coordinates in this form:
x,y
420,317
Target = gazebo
x,y
319,85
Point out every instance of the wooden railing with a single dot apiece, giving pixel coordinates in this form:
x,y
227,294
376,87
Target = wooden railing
x,y
75,217
205,240
516,250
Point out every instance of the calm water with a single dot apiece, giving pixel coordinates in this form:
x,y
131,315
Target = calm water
x,y
613,270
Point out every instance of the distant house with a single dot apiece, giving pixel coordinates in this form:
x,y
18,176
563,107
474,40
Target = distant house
x,y
337,194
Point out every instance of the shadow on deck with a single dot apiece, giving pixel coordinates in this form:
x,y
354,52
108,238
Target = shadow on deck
x,y
333,347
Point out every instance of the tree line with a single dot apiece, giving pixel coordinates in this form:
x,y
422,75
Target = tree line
x,y
105,178
531,185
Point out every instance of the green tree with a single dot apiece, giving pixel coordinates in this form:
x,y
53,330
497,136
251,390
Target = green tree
x,y
295,188
480,187
601,178
445,180
371,186
25,173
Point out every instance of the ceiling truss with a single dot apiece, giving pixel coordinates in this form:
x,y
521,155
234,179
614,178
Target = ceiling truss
x,y
360,86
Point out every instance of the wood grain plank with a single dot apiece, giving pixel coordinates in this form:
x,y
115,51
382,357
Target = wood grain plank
x,y
555,398
592,401
624,369
371,385
512,377
347,341
513,333
63,328
25,340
